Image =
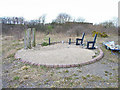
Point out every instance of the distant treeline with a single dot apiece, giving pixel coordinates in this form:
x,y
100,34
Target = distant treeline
x,y
63,23
60,19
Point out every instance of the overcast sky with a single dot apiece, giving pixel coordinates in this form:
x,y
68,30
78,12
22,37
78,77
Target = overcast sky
x,y
94,11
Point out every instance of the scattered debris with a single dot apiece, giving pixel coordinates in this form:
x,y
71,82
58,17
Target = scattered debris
x,y
111,45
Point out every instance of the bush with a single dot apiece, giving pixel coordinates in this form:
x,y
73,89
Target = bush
x,y
49,29
44,44
16,78
104,34
99,34
94,32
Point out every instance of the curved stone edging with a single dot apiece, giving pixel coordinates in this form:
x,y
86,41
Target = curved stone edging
x,y
66,65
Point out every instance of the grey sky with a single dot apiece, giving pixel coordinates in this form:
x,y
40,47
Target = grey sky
x,y
92,10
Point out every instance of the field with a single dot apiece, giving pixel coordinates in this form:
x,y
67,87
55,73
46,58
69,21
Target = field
x,y
15,74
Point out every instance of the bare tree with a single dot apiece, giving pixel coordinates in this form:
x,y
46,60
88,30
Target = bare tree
x,y
62,18
21,20
32,22
13,20
115,21
26,22
107,24
110,23
80,19
4,20
41,19
17,20
8,20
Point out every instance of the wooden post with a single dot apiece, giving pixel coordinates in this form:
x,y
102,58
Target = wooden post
x,y
29,38
49,40
25,40
33,38
69,40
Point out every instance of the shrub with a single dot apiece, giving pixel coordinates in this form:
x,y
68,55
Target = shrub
x,y
104,34
49,29
11,55
44,44
88,75
99,34
66,71
93,33
16,78
83,77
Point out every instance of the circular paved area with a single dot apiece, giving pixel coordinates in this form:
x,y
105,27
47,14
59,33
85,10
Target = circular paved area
x,y
58,55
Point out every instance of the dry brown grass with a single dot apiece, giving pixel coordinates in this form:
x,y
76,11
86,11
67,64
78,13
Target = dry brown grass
x,y
42,75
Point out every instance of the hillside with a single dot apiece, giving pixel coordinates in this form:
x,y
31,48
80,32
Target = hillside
x,y
70,29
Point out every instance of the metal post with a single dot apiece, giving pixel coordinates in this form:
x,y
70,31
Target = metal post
x,y
69,40
49,40
77,41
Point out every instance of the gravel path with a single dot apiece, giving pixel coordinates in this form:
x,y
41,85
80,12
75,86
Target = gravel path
x,y
58,54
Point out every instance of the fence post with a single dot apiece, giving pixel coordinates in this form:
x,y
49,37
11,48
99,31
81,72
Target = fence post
x,y
29,38
25,40
69,40
49,40
33,38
